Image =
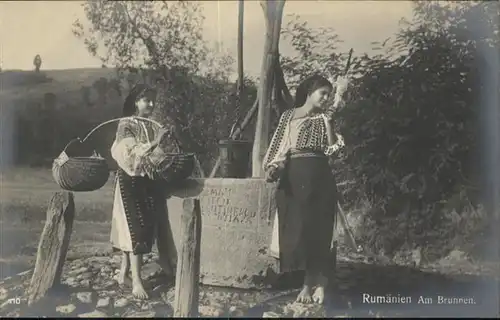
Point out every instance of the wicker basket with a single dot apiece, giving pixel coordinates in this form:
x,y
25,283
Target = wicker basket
x,y
91,173
172,168
80,173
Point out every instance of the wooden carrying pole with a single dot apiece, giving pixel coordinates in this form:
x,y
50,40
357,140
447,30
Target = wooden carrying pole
x,y
188,265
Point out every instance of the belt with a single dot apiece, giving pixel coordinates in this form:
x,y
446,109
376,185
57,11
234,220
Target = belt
x,y
299,153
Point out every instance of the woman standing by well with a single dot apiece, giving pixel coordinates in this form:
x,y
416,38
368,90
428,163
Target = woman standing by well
x,y
307,194
139,206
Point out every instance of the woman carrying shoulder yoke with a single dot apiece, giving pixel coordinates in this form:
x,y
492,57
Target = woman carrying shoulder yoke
x,y
139,207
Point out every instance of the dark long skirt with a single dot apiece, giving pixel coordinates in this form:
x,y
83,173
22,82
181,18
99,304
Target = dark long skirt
x,y
142,199
307,202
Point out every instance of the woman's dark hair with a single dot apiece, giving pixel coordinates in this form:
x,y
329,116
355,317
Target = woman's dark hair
x,y
138,92
308,86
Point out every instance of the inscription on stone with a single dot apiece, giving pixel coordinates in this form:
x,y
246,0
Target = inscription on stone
x,y
235,227
220,192
225,205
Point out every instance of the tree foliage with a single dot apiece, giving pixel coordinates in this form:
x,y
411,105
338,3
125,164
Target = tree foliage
x,y
411,122
163,39
316,51
147,34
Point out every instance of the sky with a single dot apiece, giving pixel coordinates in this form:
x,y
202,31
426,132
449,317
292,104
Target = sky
x,y
28,28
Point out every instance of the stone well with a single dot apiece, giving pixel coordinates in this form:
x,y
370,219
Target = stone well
x,y
237,217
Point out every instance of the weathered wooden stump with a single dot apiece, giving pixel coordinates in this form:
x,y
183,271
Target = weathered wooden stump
x,y
188,264
53,245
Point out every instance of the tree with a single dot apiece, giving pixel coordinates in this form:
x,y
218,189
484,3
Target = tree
x,y
273,12
37,62
145,35
316,50
165,39
415,122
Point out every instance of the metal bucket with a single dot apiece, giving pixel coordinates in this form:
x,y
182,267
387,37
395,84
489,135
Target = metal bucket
x,y
235,158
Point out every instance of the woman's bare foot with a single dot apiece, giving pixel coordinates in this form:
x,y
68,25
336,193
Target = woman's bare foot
x,y
319,295
138,290
304,295
137,286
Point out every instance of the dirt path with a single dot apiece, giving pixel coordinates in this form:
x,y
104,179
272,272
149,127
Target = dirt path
x,y
90,287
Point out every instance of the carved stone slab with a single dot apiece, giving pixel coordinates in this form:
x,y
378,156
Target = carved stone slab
x,y
237,217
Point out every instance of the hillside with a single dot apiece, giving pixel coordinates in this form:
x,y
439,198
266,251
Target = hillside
x,y
42,112
47,109
23,89
73,78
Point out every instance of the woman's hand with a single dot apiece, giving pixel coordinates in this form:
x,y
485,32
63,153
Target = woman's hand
x,y
161,133
341,84
273,173
270,173
340,140
333,148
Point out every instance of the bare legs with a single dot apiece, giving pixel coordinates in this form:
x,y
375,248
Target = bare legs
x,y
135,261
137,286
123,277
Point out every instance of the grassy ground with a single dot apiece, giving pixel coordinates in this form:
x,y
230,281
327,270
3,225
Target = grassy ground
x,y
24,197
26,193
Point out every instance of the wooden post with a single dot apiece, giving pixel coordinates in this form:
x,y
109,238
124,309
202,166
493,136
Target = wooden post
x,y
188,264
240,49
53,245
273,12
